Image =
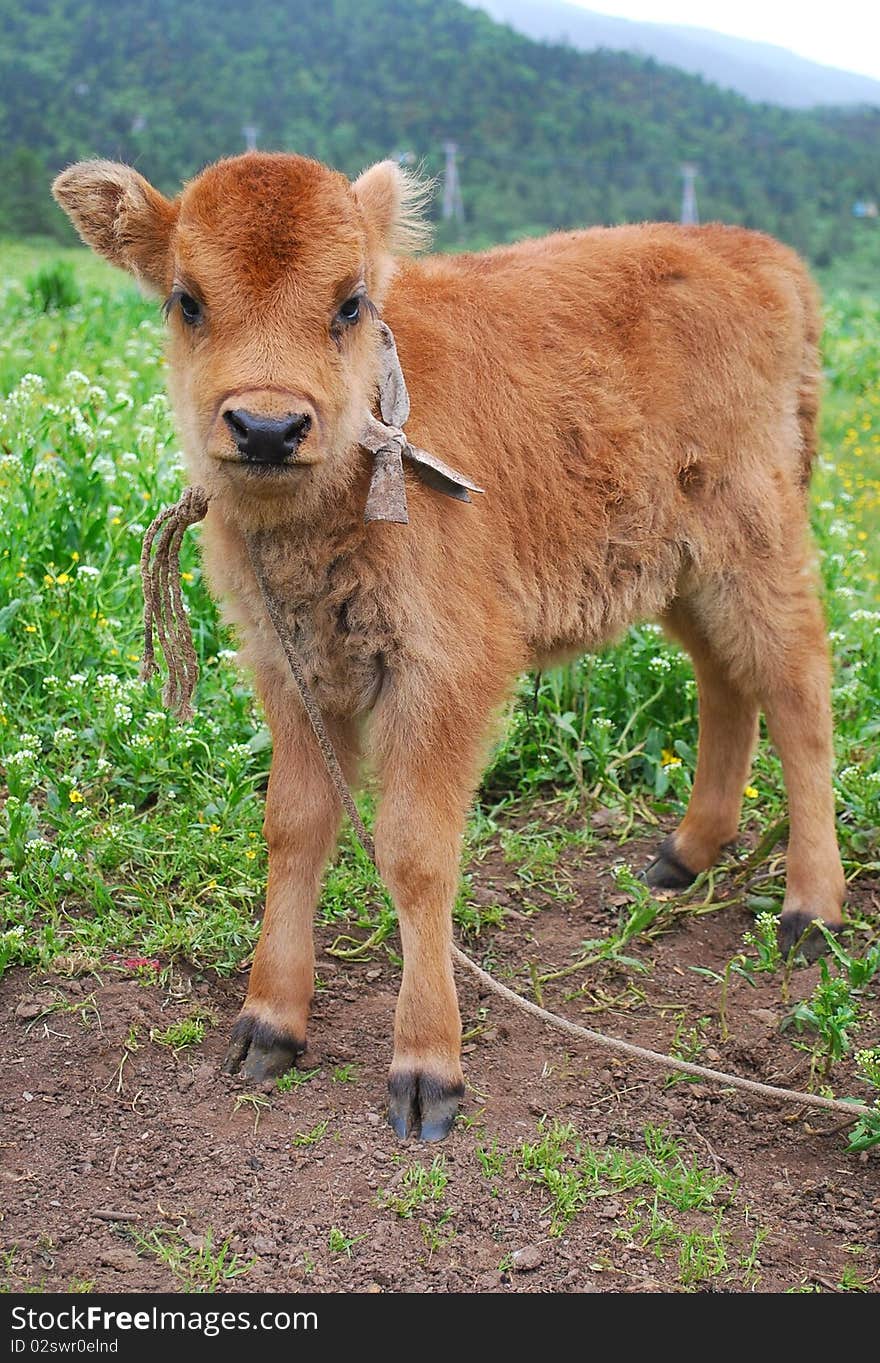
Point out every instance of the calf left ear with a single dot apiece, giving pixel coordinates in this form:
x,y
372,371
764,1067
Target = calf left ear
x,y
121,216
393,203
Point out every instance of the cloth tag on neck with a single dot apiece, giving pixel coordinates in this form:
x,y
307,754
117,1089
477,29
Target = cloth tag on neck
x,y
385,439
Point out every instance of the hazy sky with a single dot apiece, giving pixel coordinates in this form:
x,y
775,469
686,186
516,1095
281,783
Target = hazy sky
x,y
843,33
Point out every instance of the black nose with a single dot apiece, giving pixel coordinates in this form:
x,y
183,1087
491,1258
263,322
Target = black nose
x,y
266,439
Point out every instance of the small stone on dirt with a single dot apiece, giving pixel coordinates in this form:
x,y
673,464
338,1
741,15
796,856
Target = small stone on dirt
x,y
765,1015
606,818
118,1257
32,1005
526,1260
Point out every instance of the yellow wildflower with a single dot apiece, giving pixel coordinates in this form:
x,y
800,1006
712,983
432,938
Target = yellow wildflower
x,y
74,797
751,792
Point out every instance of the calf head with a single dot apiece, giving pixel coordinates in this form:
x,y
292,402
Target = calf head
x,y
272,268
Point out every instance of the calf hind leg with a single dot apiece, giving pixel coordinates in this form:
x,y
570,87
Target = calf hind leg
x,y
728,730
798,712
768,631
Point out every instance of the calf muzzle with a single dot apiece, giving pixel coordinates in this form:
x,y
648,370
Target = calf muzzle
x,y
267,440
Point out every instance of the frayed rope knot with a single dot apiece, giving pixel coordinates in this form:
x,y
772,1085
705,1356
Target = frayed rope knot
x,y
163,601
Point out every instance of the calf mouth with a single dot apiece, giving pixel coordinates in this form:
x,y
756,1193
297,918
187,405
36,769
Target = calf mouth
x,y
261,469
258,468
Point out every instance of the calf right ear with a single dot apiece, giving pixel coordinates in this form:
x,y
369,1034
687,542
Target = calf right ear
x,y
121,216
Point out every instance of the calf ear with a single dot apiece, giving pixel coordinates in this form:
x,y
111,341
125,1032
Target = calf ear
x,y
393,203
121,216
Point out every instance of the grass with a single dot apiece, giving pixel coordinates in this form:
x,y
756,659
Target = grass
x,y
294,1078
664,1202
187,1032
317,1133
130,843
199,1267
418,1186
340,1243
574,1173
660,1204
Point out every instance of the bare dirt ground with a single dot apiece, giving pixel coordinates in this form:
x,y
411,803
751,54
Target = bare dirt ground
x,y
100,1139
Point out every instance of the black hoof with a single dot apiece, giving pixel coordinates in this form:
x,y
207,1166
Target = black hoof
x,y
259,1051
799,930
666,871
421,1106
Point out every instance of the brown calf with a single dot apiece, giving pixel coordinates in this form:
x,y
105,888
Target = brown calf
x,y
640,406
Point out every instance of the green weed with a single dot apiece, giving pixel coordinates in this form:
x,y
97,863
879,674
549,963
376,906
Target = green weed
x,y
53,288
418,1187
188,1031
340,1243
294,1078
574,1173
317,1133
202,1268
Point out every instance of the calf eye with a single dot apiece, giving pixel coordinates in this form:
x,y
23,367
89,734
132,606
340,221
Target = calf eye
x,y
350,311
190,309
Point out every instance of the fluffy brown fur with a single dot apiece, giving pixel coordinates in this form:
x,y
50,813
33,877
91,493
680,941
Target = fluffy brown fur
x,y
639,404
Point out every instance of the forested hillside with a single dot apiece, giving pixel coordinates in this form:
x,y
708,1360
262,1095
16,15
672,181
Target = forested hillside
x,y
549,136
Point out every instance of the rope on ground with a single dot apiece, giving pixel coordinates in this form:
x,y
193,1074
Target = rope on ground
x,y
668,1062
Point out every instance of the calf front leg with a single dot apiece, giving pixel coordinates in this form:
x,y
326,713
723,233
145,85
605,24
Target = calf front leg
x,y
427,775
418,851
301,827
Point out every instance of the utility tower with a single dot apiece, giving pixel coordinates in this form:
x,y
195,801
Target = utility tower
x,y
689,211
453,208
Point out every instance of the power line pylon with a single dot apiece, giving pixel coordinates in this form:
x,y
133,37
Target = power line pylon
x,y
689,212
453,207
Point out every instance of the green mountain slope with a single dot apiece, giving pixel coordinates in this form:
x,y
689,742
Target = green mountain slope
x,y
550,136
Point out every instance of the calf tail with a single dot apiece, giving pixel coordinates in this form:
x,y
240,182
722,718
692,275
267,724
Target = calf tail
x,y
810,386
